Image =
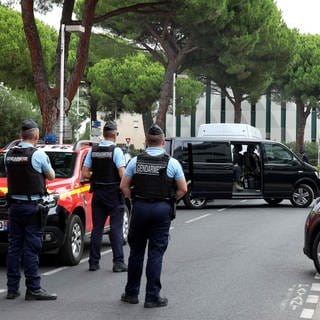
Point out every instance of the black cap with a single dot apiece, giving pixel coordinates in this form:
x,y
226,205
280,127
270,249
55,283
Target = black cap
x,y
155,130
28,124
110,126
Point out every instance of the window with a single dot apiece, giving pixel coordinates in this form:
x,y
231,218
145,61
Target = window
x,y
207,152
275,153
62,163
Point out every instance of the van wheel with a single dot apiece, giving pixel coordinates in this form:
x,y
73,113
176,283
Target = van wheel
x,y
302,196
316,252
272,201
194,202
72,249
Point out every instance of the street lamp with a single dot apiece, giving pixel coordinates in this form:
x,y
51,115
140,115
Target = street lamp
x,y
62,103
174,105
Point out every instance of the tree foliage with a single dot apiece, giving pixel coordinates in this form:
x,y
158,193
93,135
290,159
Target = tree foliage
x,y
13,111
15,64
169,35
253,45
48,92
132,83
301,81
187,95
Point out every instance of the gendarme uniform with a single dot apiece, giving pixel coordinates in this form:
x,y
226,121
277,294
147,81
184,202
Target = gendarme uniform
x,y
153,176
25,167
104,161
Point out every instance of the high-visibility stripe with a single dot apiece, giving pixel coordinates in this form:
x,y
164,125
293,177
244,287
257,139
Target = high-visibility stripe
x,y
73,192
62,195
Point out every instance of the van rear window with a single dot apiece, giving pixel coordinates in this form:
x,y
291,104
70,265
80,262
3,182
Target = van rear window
x,y
207,152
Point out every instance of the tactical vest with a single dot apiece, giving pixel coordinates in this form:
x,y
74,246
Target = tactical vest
x,y
150,180
104,170
23,179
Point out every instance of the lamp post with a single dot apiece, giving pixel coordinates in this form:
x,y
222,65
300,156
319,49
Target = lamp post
x,y
174,105
69,28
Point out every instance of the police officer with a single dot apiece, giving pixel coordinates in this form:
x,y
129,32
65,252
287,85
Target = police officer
x,y
27,167
104,166
157,181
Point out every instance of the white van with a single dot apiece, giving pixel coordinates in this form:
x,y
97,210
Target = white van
x,y
232,130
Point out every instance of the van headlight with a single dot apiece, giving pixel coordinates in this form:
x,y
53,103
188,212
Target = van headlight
x,y
317,173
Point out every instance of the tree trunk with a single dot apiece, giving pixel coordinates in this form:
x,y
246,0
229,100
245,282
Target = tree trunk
x,y
93,108
47,96
237,111
146,120
166,94
302,115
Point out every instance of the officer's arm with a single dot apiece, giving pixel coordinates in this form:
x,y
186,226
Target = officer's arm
x,y
86,173
182,188
121,171
50,175
125,186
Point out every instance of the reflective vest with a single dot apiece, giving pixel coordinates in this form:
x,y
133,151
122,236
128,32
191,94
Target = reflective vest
x,y
150,180
104,170
23,179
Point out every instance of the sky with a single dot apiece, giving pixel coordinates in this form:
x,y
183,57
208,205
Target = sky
x,y
300,14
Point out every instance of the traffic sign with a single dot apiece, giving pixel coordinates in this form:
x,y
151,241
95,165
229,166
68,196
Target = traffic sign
x,y
128,140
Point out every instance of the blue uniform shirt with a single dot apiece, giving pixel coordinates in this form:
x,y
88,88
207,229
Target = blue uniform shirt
x,y
40,162
174,169
118,156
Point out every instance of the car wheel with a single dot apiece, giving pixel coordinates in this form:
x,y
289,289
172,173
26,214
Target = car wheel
x,y
302,196
316,252
272,201
126,221
192,202
72,249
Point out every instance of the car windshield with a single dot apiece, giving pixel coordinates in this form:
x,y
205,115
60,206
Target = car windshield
x,y
62,163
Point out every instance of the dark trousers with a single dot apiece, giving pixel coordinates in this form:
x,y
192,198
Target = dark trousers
x,y
150,223
107,203
25,243
237,173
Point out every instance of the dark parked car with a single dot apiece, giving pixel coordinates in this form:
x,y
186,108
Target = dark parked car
x,y
272,172
312,235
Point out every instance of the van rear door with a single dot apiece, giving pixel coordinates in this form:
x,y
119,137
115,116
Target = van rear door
x,y
208,164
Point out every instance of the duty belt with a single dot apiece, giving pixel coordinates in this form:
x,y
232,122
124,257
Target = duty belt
x,y
18,201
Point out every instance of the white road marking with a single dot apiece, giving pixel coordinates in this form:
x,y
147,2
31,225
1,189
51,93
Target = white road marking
x,y
3,290
315,287
220,210
49,273
307,314
198,218
312,299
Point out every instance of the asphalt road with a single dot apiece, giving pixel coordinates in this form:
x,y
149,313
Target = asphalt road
x,y
235,260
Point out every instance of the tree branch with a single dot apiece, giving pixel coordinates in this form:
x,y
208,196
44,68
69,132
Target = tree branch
x,y
134,8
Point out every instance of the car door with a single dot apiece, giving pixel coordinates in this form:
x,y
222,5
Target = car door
x,y
281,170
208,165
